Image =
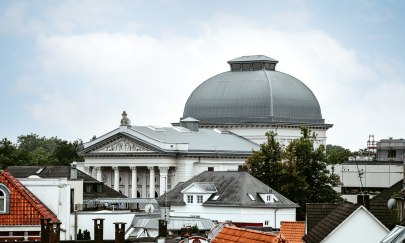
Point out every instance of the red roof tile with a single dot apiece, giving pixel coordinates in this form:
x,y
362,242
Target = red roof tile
x,y
232,234
292,231
25,208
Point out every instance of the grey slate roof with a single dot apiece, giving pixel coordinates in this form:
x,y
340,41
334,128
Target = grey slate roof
x,y
63,172
252,58
158,139
253,97
329,223
316,212
201,140
378,204
233,189
175,223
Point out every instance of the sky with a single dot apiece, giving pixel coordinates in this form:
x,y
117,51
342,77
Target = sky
x,y
69,68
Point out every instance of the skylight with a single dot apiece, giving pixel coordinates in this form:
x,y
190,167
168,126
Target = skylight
x,y
251,197
215,197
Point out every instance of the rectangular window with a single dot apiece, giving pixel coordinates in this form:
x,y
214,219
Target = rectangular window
x,y
266,223
210,168
268,198
190,198
199,199
392,153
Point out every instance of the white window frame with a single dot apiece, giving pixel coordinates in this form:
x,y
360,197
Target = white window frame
x,y
200,199
190,199
5,199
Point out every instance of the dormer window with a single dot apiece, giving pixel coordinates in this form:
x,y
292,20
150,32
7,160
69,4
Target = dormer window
x,y
4,199
190,198
199,199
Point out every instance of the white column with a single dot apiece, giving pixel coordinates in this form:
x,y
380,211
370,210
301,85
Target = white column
x,y
116,178
151,182
87,170
98,172
163,180
134,182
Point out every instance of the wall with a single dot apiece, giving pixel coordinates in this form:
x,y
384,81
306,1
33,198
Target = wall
x,y
85,221
375,175
55,194
359,227
236,214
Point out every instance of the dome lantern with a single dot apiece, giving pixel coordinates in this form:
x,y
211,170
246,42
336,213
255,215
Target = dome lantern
x,y
253,63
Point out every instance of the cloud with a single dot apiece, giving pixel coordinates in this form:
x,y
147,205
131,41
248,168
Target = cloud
x,y
89,78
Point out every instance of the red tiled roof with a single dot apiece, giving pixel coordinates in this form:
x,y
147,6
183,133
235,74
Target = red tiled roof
x,y
233,234
292,231
25,208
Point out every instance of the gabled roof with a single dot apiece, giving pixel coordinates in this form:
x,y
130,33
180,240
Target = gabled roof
x,y
233,234
292,231
233,189
172,140
25,207
330,222
207,187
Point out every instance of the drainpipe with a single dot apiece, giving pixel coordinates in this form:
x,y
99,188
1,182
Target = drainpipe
x,y
275,218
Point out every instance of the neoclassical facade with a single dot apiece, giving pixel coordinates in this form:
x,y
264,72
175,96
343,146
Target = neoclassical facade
x,y
224,119
147,161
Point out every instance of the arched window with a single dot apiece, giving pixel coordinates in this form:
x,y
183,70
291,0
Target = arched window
x,y
4,199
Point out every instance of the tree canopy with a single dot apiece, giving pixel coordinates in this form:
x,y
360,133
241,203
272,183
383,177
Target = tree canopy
x,y
35,150
336,154
298,172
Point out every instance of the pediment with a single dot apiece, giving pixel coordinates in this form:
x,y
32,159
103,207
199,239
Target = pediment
x,y
122,145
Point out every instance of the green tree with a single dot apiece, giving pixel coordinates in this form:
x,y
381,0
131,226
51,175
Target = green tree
x,y
298,172
35,150
336,154
266,164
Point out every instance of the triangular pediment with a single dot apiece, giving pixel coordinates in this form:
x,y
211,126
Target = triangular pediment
x,y
121,145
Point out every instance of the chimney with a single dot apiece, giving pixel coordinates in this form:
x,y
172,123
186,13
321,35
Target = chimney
x,y
73,171
98,230
162,228
45,230
119,232
364,199
190,123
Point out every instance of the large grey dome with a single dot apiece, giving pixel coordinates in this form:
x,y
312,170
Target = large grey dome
x,y
253,92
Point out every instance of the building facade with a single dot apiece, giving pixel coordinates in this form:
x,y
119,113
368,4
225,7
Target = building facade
x,y
224,119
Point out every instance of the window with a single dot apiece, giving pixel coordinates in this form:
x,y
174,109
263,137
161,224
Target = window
x,y
190,198
199,199
268,198
251,197
4,199
392,153
215,197
266,223
210,168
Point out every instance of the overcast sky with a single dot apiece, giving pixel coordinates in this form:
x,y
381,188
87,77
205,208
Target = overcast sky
x,y
69,68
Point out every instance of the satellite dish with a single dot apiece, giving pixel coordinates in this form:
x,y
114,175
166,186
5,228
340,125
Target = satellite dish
x,y
391,203
149,208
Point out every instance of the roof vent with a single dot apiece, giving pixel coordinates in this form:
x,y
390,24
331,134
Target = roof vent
x,y
190,123
253,63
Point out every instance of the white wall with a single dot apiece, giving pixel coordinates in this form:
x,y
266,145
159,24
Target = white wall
x,y
85,221
236,214
284,135
55,194
359,227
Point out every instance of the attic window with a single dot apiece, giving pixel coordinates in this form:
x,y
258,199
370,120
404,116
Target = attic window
x,y
251,197
215,197
4,199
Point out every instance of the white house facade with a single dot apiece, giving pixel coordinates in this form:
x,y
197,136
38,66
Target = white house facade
x,y
230,196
